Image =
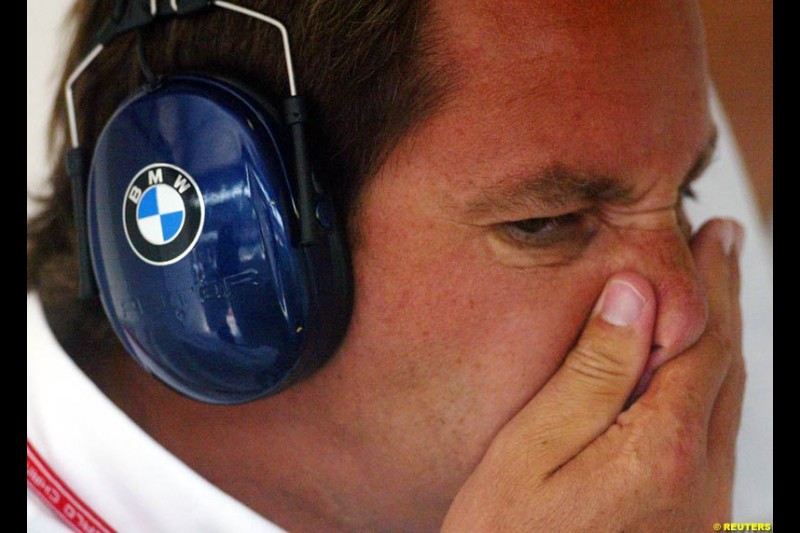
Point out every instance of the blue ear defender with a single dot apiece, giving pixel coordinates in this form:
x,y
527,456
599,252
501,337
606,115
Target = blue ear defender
x,y
217,257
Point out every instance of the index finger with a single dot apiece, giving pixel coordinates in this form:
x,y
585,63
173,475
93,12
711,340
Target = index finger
x,y
687,386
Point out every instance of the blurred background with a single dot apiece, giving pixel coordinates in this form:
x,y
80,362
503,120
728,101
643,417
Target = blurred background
x,y
739,38
738,183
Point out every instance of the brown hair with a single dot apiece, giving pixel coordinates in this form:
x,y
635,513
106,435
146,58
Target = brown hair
x,y
367,68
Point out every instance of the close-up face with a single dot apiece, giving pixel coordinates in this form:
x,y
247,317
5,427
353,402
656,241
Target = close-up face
x,y
561,157
477,274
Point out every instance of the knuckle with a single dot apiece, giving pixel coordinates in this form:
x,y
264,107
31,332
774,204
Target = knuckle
x,y
598,363
665,457
634,461
682,455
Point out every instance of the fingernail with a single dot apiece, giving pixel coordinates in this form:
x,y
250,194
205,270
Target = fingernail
x,y
727,236
622,304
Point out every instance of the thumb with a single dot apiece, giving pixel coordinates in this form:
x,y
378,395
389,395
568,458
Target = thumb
x,y
586,394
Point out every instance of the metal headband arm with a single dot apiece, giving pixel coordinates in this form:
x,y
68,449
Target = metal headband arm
x,y
131,15
269,20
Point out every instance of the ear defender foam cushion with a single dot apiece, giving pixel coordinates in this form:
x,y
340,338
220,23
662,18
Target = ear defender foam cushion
x,y
192,230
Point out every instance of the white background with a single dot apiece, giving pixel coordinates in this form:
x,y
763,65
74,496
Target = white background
x,y
724,191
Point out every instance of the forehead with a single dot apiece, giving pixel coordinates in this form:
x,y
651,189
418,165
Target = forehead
x,y
612,87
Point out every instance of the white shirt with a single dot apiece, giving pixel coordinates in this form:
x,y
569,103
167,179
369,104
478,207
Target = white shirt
x,y
117,469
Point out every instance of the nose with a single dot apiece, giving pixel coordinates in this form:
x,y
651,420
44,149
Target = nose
x,y
663,255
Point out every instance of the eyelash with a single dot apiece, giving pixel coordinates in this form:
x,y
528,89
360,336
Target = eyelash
x,y
546,223
547,231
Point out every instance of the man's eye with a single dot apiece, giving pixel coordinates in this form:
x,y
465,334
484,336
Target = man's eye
x,y
547,231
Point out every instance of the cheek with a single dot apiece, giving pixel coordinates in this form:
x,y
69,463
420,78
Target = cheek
x,y
456,334
446,344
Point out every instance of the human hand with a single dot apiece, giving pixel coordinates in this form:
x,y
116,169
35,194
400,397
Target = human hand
x,y
573,460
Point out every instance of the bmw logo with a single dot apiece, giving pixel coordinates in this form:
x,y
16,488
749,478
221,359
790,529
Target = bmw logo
x,y
162,214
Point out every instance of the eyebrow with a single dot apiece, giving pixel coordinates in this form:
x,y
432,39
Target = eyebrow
x,y
558,185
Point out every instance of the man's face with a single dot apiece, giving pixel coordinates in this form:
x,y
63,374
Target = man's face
x,y
558,159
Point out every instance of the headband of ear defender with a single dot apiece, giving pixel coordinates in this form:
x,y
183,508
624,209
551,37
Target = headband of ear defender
x,y
217,257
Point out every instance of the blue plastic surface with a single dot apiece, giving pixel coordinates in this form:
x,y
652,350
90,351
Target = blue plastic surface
x,y
245,312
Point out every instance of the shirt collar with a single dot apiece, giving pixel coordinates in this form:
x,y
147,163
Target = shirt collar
x,y
121,472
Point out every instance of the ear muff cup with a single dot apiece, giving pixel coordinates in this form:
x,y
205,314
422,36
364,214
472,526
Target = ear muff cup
x,y
192,228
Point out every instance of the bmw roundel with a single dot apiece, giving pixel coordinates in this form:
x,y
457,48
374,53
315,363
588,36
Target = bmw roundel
x,y
162,214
